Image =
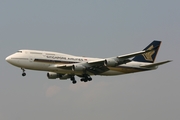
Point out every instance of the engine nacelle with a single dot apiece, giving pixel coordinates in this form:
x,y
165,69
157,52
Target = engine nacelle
x,y
111,62
52,75
78,67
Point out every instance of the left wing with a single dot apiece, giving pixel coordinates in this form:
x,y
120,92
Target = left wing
x,y
123,59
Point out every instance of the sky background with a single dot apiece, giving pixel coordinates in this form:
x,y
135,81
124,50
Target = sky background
x,y
94,28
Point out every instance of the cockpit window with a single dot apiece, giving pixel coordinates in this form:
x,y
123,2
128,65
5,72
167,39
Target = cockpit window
x,y
19,51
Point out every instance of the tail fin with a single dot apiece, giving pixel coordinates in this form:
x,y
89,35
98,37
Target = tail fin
x,y
150,56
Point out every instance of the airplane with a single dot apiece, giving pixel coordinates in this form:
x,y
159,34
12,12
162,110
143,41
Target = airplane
x,y
65,66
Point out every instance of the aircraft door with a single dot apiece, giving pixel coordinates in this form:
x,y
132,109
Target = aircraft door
x,y
30,58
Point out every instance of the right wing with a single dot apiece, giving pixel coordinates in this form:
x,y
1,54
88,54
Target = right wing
x,y
100,65
123,59
136,53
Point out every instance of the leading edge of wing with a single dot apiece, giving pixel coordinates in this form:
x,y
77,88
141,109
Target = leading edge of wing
x,y
126,56
97,66
100,62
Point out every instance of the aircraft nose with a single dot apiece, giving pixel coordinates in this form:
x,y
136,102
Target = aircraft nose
x,y
12,60
8,59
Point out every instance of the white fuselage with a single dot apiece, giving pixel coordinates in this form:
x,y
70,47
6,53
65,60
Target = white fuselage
x,y
46,61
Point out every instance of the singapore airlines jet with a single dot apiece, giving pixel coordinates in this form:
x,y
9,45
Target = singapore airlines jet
x,y
64,66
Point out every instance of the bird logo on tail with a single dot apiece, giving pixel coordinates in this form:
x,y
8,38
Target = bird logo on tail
x,y
148,56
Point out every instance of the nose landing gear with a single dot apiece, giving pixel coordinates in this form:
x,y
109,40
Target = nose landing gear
x,y
23,74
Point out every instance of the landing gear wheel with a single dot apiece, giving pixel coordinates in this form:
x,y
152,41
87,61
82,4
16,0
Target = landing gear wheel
x,y
85,80
23,74
82,80
89,79
74,82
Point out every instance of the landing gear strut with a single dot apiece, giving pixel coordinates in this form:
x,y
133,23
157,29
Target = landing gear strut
x,y
73,80
23,74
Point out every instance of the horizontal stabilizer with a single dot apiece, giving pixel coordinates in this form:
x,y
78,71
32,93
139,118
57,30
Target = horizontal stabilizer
x,y
155,64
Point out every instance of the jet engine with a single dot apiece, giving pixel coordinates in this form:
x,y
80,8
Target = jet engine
x,y
78,67
52,75
111,62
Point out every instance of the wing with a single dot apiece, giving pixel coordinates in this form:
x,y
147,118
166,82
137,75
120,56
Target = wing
x,y
100,65
136,53
123,59
93,67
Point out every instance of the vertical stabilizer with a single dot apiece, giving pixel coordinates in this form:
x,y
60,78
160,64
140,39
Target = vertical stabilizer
x,y
150,56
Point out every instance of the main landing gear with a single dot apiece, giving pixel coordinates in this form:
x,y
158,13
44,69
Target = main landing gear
x,y
73,80
86,78
23,74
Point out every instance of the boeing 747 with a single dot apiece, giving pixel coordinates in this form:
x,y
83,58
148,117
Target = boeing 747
x,y
65,66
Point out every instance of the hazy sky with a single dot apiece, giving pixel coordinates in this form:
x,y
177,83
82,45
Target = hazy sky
x,y
95,28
